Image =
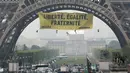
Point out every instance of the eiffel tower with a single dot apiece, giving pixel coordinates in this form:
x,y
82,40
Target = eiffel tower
x,y
16,15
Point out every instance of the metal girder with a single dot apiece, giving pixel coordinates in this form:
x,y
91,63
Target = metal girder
x,y
122,11
9,1
94,6
7,11
119,0
28,11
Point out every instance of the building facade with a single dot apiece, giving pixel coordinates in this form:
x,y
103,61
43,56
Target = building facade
x,y
93,44
57,44
76,45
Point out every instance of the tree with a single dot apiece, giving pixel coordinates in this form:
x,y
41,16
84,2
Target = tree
x,y
35,56
105,54
35,47
25,47
44,47
102,54
114,44
118,58
96,53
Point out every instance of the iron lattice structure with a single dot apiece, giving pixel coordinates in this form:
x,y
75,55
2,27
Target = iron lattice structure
x,y
15,15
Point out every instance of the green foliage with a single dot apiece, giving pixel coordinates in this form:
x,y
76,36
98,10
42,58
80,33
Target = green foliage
x,y
96,53
38,55
114,44
35,47
105,54
118,58
114,50
101,53
28,51
71,60
25,47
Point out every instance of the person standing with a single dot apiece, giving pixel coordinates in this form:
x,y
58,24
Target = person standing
x,y
64,69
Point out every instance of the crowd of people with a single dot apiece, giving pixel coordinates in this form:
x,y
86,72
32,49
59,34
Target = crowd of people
x,y
72,69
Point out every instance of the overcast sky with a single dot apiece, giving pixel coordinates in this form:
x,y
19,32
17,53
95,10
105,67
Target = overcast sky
x,y
105,31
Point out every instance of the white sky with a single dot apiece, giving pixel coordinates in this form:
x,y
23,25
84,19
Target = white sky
x,y
105,31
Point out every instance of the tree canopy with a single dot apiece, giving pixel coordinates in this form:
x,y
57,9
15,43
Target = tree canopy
x,y
25,47
35,47
114,44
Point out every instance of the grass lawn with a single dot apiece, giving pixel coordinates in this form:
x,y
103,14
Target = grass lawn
x,y
72,60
